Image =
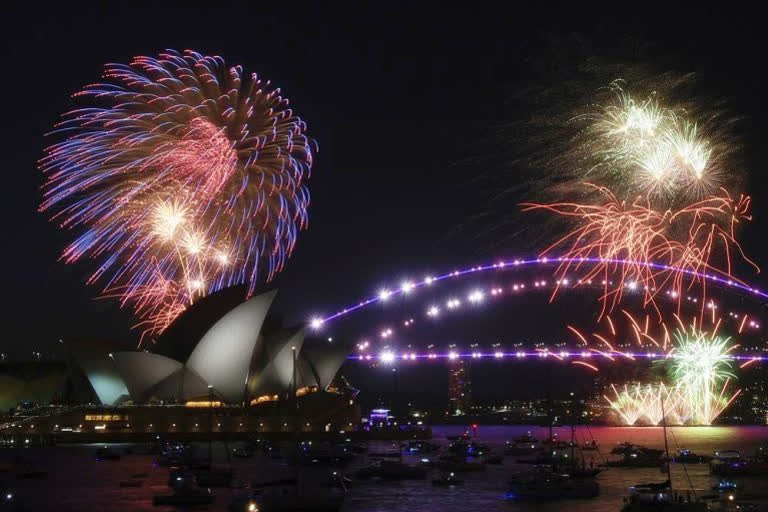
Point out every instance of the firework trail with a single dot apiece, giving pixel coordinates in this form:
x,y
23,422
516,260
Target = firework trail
x,y
182,177
697,361
682,245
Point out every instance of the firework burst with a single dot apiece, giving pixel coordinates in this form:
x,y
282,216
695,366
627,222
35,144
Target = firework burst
x,y
649,148
640,247
697,361
192,178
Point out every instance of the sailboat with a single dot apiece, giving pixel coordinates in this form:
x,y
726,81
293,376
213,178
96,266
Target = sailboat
x,y
661,496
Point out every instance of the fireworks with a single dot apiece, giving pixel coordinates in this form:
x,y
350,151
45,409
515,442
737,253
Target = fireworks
x,y
637,245
698,363
191,179
701,372
648,148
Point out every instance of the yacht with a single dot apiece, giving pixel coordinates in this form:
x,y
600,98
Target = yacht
x,y
660,497
688,457
552,486
629,448
522,447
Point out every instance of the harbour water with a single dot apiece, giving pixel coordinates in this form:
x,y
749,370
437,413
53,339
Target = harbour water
x,y
77,482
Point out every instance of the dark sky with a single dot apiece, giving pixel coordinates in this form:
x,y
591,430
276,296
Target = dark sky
x,y
406,104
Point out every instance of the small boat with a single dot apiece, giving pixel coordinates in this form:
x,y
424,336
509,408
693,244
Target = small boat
x,y
635,460
553,486
527,438
688,457
724,485
242,453
421,446
629,448
185,496
727,454
8,499
660,497
337,480
447,480
526,448
463,437
391,470
131,483
180,477
584,472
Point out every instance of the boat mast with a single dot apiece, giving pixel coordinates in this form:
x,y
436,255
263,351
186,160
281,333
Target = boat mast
x,y
666,445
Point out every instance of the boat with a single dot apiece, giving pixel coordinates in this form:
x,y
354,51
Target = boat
x,y
336,479
660,497
391,470
732,467
185,496
527,438
8,500
724,485
629,448
180,477
688,457
634,460
242,453
447,480
463,437
525,448
421,447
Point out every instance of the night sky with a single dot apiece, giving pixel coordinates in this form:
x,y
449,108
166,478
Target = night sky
x,y
409,106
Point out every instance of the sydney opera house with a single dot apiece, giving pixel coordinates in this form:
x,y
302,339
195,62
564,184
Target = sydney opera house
x,y
223,365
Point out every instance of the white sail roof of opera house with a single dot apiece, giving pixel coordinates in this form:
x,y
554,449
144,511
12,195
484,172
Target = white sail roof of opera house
x,y
94,362
272,368
224,354
322,360
230,354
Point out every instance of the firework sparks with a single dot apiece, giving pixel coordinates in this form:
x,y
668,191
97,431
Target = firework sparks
x,y
698,363
649,147
639,246
191,180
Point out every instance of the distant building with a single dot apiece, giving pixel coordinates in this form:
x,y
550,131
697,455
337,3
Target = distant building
x,y
459,388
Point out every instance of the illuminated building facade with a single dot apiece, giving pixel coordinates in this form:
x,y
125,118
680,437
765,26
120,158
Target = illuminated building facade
x,y
459,388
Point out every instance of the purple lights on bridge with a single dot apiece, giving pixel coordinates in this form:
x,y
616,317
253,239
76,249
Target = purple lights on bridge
x,y
408,287
391,357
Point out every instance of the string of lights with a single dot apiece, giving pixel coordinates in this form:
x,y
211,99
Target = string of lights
x,y
408,287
